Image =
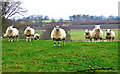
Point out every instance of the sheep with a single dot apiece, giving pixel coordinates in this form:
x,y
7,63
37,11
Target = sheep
x,y
12,33
58,34
109,34
97,33
36,36
4,36
29,33
88,35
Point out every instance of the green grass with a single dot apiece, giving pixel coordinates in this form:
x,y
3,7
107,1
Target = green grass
x,y
79,34
41,56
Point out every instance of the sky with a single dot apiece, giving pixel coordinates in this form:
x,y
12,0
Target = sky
x,y
64,8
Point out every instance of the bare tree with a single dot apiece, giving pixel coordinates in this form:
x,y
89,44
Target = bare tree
x,y
12,8
8,9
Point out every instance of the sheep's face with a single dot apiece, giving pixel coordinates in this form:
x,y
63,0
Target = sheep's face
x,y
10,28
57,28
108,31
87,31
97,27
28,29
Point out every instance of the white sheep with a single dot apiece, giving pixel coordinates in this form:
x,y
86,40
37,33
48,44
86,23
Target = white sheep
x,y
12,33
29,33
58,34
97,33
109,34
88,35
36,36
4,36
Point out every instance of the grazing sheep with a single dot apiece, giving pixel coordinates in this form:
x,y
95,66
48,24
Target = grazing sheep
x,y
12,33
109,34
58,34
29,33
88,35
36,36
97,33
4,36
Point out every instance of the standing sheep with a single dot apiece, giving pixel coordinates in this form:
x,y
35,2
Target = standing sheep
x,y
88,35
12,33
109,34
97,33
36,36
29,33
58,34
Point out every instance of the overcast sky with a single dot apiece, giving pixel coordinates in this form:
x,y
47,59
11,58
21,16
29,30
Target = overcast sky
x,y
64,8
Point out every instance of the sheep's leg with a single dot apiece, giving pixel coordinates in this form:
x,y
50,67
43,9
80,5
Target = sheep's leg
x,y
90,39
112,39
30,38
12,39
9,39
54,43
94,39
85,39
107,40
26,38
100,39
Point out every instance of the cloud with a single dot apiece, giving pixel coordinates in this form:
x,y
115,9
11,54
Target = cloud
x,y
64,8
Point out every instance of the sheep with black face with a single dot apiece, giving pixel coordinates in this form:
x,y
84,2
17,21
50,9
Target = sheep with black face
x,y
88,35
29,33
58,34
109,34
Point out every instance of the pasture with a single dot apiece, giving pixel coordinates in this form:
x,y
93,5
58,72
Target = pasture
x,y
41,56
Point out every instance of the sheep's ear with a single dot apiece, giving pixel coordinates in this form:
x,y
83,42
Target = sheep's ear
x,y
110,29
54,25
106,29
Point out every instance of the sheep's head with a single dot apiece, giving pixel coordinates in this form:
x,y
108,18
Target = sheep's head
x,y
108,31
10,28
97,27
57,28
87,31
28,29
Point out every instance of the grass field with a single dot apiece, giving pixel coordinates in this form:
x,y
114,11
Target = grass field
x,y
41,56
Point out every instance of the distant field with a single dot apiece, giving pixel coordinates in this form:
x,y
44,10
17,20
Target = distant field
x,y
41,56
